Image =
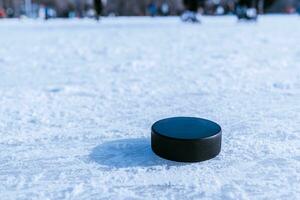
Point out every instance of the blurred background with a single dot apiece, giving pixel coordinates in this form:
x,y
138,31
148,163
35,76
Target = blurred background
x,y
85,8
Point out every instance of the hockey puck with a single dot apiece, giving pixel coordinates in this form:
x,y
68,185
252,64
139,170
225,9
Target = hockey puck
x,y
186,139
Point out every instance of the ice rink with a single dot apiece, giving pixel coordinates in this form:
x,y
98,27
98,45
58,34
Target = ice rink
x,y
78,98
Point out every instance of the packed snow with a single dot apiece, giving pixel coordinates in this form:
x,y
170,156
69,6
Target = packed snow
x,y
78,98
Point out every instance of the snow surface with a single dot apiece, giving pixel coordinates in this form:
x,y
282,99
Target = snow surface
x,y
78,98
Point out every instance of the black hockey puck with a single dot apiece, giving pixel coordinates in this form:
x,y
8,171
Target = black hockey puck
x,y
186,139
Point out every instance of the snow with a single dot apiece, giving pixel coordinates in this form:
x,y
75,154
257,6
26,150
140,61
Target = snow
x,y
78,98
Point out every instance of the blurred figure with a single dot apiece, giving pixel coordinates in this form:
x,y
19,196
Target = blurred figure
x,y
190,15
2,13
79,8
47,13
165,10
260,6
230,7
247,10
152,9
98,5
42,12
298,8
9,13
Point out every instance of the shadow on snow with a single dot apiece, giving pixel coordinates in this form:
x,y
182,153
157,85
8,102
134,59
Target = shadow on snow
x,y
128,153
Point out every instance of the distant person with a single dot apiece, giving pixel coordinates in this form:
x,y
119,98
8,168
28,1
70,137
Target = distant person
x,y
247,9
190,15
2,13
152,9
9,12
298,8
165,9
47,13
98,5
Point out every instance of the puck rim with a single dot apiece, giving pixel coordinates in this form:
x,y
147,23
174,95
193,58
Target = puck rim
x,y
187,139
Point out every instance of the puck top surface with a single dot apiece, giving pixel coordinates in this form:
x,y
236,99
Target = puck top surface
x,y
186,128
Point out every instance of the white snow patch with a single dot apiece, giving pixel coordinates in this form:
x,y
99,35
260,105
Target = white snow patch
x,y
77,99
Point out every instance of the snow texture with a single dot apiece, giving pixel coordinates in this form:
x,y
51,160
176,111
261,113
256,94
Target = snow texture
x,y
78,98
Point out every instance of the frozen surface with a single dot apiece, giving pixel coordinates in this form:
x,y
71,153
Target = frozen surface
x,y
77,99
